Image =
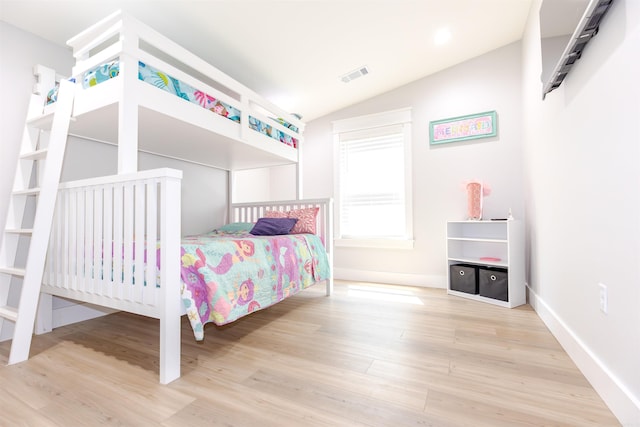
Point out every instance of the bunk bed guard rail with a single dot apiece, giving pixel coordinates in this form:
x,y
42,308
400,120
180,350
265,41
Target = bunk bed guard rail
x,y
123,38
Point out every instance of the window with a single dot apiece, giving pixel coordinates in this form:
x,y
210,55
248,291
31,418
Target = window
x,y
373,182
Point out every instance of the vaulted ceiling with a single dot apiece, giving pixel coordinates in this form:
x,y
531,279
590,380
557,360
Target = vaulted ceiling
x,y
294,52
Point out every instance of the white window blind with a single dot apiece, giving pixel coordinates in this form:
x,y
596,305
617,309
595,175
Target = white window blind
x,y
372,187
373,180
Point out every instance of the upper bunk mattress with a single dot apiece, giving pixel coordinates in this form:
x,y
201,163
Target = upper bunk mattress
x,y
187,92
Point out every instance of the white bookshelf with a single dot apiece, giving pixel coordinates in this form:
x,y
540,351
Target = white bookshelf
x,y
489,244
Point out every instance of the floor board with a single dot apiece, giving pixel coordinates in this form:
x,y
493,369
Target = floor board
x,y
369,355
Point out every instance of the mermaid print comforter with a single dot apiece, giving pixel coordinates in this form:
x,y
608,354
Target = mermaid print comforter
x,y
228,275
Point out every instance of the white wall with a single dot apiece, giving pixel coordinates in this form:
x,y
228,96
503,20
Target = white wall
x,y
582,156
204,189
489,82
265,184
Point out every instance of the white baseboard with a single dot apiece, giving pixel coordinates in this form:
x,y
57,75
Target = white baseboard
x,y
425,281
615,394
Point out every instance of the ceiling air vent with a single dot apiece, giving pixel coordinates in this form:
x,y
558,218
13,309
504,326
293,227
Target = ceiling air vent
x,y
352,75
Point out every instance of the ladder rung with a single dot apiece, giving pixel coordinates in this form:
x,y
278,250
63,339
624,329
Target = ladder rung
x,y
28,192
19,230
9,313
43,121
35,155
13,271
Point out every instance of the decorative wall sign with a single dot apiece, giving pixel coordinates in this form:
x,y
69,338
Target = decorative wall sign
x,y
481,125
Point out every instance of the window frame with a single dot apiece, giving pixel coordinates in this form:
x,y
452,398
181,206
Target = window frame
x,y
371,121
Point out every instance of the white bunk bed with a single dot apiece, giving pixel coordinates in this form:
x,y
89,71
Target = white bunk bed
x,y
103,226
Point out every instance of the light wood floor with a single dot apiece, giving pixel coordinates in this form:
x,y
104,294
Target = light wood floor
x,y
362,357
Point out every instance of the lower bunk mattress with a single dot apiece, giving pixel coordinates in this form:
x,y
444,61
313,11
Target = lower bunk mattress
x,y
229,274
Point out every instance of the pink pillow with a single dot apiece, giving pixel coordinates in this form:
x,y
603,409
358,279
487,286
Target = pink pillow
x,y
306,219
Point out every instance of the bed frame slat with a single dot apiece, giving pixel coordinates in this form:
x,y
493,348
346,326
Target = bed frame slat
x,y
148,296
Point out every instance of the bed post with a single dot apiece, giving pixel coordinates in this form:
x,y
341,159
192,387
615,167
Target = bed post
x,y
170,279
128,105
231,176
328,238
299,177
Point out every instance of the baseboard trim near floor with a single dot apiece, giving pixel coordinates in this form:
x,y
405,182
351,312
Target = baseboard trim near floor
x,y
614,393
425,281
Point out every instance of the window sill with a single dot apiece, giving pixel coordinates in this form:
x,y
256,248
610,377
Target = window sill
x,y
374,243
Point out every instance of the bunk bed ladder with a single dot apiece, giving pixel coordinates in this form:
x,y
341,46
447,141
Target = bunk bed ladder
x,y
36,184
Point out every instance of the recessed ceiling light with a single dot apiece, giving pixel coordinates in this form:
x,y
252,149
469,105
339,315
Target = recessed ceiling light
x,y
442,36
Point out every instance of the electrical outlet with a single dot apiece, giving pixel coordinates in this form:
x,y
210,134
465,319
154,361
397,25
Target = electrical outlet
x,y
604,298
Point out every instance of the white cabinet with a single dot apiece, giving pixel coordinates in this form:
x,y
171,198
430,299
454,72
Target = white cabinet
x,y
489,245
